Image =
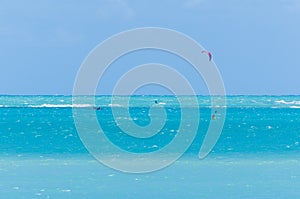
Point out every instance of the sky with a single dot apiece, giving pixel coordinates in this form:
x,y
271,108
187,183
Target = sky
x,y
254,43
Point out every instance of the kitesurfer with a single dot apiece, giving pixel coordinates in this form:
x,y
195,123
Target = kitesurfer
x,y
213,117
97,108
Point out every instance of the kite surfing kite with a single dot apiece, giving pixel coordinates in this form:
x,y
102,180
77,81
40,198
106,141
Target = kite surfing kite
x,y
208,53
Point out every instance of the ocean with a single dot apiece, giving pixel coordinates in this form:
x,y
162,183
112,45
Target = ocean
x,y
43,155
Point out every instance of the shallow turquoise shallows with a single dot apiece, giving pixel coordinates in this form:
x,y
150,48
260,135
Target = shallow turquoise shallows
x,y
257,155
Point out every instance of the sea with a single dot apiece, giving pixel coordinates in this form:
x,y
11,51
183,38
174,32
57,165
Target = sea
x,y
44,155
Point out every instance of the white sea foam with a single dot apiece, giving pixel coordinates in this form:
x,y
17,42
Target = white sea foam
x,y
60,106
114,105
288,102
275,107
294,106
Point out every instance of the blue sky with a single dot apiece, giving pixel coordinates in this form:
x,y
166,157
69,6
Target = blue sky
x,y
254,43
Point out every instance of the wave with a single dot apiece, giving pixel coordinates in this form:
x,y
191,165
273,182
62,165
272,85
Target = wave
x,y
288,102
114,105
61,106
294,106
143,106
50,106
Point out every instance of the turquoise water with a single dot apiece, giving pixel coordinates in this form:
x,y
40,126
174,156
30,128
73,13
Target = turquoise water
x,y
257,155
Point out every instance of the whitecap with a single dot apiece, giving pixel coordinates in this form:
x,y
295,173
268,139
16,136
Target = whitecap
x,y
114,105
294,106
288,102
60,106
274,107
